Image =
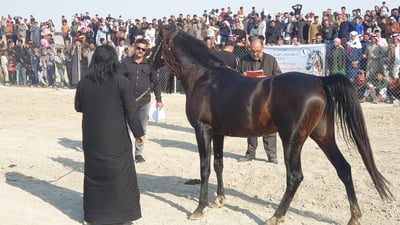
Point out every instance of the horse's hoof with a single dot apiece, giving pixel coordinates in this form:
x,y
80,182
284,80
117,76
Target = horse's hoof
x,y
354,221
196,215
219,202
274,220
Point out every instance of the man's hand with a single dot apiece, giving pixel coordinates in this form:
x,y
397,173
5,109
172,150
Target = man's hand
x,y
159,105
139,140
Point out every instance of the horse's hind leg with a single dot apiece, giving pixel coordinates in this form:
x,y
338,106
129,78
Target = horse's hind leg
x,y
218,143
324,137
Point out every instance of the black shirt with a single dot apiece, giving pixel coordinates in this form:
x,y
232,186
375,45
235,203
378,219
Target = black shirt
x,y
142,80
229,58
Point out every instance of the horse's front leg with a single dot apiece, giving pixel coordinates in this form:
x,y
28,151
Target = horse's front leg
x,y
218,143
203,137
294,176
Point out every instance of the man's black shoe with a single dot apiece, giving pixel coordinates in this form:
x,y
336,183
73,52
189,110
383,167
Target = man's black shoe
x,y
247,158
139,159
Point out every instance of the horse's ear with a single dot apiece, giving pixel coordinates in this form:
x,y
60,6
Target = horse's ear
x,y
167,29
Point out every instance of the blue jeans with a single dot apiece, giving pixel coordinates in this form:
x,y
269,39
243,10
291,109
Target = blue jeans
x,y
63,82
19,78
144,119
51,75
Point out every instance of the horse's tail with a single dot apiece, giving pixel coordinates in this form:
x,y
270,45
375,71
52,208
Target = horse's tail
x,y
342,97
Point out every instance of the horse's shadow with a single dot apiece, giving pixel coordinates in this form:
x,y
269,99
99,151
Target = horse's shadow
x,y
69,201
171,127
176,186
166,143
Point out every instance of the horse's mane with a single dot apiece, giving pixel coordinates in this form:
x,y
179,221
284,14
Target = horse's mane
x,y
194,49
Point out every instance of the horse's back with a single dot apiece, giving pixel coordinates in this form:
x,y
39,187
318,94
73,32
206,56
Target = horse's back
x,y
238,106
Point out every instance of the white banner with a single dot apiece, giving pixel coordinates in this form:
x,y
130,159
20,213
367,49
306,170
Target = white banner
x,y
300,58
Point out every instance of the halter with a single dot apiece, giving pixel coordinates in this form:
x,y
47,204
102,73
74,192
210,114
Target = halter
x,y
173,67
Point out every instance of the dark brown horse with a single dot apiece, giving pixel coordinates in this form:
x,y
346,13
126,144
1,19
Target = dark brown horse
x,y
220,101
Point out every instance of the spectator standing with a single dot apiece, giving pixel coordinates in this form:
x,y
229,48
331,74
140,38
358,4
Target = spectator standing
x,y
110,190
337,58
258,60
272,33
190,30
374,53
255,32
11,65
150,35
142,81
297,9
2,42
120,48
306,31
227,56
365,42
394,54
315,27
4,66
36,67
67,52
59,61
354,55
329,33
329,14
358,26
65,29
101,34
381,40
374,26
290,27
9,29
22,28
50,67
35,32
345,27
392,27
385,9
19,60
225,32
76,73
299,26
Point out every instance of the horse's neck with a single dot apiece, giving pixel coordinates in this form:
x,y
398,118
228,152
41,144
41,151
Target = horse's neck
x,y
191,76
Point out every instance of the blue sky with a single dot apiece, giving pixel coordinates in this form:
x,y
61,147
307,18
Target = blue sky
x,y
46,9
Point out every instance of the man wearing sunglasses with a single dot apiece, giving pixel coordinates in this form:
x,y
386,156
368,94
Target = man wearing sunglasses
x,y
143,81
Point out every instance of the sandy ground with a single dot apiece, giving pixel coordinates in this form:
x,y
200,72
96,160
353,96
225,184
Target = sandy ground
x,y
41,169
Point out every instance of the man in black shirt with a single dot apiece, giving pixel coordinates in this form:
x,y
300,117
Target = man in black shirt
x,y
143,81
226,55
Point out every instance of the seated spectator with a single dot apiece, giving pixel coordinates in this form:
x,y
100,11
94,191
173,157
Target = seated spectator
x,y
360,84
377,89
393,91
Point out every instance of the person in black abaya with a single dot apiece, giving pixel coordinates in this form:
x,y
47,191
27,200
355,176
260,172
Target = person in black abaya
x,y
107,103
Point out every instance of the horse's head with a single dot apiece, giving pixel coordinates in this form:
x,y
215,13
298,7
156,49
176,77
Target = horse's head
x,y
182,55
161,56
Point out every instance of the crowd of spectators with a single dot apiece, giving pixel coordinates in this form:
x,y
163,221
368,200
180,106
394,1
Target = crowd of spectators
x,y
357,41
